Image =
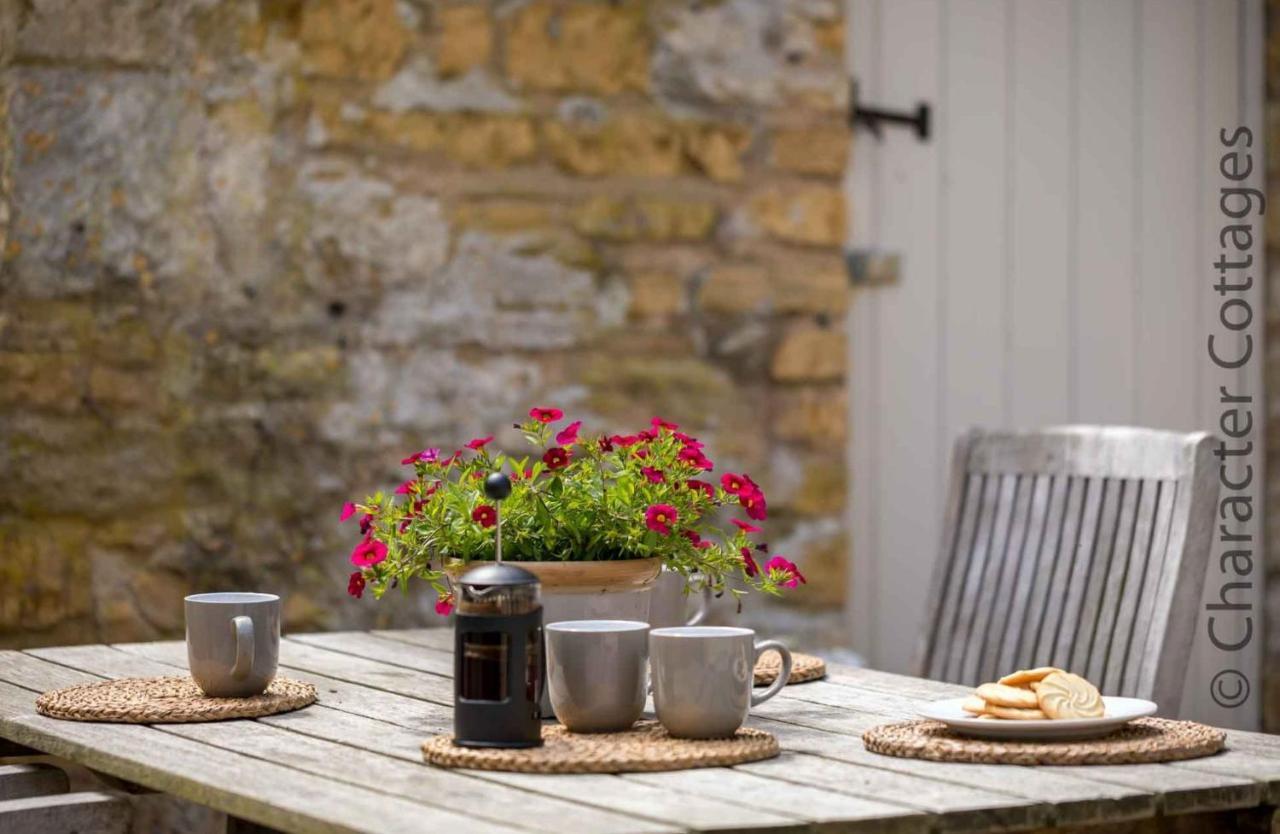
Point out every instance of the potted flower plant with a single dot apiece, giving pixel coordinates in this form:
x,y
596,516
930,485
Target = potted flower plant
x,y
594,516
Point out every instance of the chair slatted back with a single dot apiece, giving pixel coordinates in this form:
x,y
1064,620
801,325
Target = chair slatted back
x,y
1078,547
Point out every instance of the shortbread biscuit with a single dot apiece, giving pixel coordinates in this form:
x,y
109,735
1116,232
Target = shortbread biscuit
x,y
1022,677
974,704
1000,695
1016,714
1064,695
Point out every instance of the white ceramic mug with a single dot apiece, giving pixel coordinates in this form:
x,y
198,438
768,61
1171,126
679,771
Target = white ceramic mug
x,y
597,673
233,642
703,678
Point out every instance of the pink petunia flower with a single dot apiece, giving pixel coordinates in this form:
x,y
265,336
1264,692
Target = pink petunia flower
x,y
702,486
693,455
366,524
732,483
748,562
355,584
569,434
425,456
546,415
478,443
640,453
752,500
444,605
484,515
745,526
368,553
648,435
783,565
660,517
624,440
653,475
408,487
606,444
556,458
659,423
348,510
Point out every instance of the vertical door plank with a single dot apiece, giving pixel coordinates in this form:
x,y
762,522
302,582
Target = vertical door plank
x,y
974,206
1040,165
1170,363
1103,208
909,451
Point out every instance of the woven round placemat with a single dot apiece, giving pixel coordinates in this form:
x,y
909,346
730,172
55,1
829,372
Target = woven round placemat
x,y
168,700
1143,740
645,747
804,667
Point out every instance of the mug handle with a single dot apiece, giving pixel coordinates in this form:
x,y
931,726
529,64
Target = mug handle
x,y
243,628
783,676
704,604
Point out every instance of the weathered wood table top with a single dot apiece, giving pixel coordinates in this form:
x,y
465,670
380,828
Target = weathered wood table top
x,y
352,761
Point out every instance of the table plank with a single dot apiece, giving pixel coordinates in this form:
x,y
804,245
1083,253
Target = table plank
x,y
384,731
394,763
264,793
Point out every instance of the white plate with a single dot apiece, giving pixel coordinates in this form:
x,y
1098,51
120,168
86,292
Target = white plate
x,y
1119,711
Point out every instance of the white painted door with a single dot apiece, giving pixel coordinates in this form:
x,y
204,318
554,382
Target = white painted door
x,y
1057,235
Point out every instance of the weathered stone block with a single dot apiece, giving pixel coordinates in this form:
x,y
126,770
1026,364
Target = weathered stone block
x,y
717,151
592,47
628,144
646,218
656,294
816,416
803,286
735,288
464,40
810,353
130,32
820,149
363,39
805,214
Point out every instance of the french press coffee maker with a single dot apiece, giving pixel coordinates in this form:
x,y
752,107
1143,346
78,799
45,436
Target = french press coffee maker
x,y
498,671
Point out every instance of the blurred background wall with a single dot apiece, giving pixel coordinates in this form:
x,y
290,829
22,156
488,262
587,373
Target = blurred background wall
x,y
256,251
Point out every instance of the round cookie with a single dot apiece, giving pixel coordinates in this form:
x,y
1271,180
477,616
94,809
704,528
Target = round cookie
x,y
1064,695
1022,677
1016,714
1000,695
974,704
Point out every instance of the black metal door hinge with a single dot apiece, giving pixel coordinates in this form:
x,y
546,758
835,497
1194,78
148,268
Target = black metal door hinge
x,y
873,118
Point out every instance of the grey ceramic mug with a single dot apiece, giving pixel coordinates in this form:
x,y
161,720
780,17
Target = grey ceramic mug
x,y
703,678
597,672
233,642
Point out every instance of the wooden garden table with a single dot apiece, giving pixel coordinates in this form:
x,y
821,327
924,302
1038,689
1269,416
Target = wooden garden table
x,y
352,761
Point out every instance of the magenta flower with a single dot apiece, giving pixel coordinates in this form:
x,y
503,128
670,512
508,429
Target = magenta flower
x,y
556,458
368,553
752,500
793,576
624,440
745,526
546,415
484,515
479,443
693,455
355,584
606,444
660,517
732,483
659,423
444,605
748,563
348,510
569,434
653,475
408,487
702,486
366,524
425,456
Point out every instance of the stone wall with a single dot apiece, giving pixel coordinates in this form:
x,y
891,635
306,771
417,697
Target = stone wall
x,y
256,250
